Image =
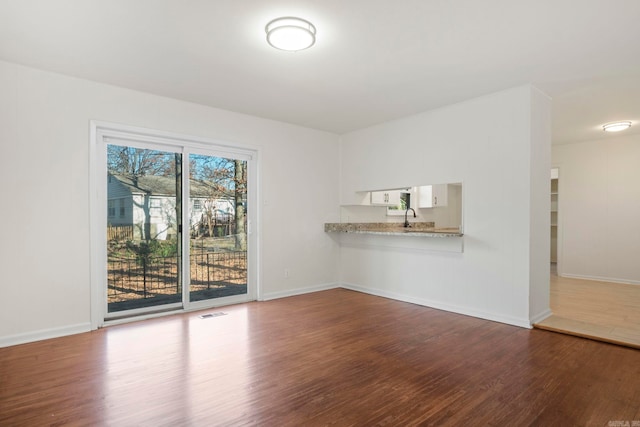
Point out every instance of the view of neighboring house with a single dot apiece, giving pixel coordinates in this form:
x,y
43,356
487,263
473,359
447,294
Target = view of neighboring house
x,y
148,204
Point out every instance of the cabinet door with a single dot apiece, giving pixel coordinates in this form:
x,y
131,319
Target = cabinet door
x,y
440,195
425,196
385,198
394,198
431,196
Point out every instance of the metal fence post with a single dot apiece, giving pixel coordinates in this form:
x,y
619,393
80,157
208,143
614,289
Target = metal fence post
x,y
208,275
144,277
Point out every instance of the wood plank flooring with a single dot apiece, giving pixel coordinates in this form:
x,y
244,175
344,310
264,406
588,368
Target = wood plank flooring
x,y
336,357
598,310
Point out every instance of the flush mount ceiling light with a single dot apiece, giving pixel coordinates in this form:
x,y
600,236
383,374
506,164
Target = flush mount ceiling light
x,y
616,127
290,33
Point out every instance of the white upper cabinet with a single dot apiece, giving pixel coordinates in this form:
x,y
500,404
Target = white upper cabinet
x,y
385,198
432,196
440,195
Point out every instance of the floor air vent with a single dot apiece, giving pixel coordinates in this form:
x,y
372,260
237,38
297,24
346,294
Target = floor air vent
x,y
209,315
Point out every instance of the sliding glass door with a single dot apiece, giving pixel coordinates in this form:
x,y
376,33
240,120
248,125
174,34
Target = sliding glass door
x,y
176,225
217,227
144,204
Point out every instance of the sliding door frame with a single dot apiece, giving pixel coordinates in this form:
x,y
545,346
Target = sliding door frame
x,y
101,133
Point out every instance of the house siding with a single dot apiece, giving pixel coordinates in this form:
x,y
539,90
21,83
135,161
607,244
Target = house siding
x,y
117,193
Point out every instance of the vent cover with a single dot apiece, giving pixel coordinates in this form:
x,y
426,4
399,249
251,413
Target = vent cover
x,y
210,315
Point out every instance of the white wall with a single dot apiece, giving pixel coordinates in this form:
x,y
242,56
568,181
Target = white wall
x,y
599,209
44,170
498,146
539,207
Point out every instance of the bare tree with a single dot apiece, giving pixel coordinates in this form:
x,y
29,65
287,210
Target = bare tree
x,y
226,179
136,162
240,195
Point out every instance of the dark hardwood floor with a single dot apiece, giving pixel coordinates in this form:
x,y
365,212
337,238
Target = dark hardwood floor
x,y
329,358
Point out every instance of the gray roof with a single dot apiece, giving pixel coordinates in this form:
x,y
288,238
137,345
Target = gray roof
x,y
164,186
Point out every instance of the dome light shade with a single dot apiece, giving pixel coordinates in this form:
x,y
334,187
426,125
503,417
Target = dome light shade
x,y
616,127
290,33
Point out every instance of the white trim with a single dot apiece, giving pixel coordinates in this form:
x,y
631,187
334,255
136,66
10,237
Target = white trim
x,y
254,230
219,302
299,291
102,133
137,318
135,133
44,334
203,305
142,311
151,144
601,279
523,323
185,186
97,218
540,316
193,307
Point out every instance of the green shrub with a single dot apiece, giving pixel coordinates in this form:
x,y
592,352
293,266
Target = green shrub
x,y
148,251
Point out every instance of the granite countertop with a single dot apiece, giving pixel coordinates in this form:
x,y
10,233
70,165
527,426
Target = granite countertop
x,y
417,229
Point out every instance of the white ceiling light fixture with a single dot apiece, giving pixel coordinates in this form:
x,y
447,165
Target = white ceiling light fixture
x,y
290,33
616,126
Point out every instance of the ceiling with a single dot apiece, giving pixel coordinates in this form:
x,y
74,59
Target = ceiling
x,y
374,60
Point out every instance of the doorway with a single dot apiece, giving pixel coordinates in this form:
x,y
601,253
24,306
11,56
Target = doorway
x,y
593,309
171,223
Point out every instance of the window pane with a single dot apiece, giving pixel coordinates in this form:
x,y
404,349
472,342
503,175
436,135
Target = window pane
x,y
217,225
143,240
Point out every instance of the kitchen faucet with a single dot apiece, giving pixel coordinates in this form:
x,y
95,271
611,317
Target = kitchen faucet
x,y
406,221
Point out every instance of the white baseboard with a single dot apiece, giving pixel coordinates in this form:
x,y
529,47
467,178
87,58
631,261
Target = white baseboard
x,y
299,291
541,316
86,327
600,279
523,323
44,334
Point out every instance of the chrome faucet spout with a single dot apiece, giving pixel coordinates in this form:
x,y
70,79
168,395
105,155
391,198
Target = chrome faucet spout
x,y
406,220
